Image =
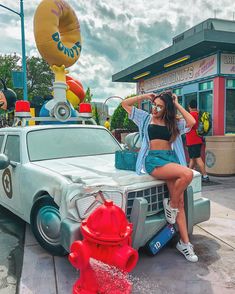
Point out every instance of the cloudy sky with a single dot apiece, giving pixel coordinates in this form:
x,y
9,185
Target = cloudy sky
x,y
115,34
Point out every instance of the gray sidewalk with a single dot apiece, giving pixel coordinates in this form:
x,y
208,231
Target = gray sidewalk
x,y
11,250
167,272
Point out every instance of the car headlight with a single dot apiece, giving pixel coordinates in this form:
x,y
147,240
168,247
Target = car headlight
x,y
87,204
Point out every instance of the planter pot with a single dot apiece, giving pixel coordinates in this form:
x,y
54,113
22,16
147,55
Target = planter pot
x,y
220,155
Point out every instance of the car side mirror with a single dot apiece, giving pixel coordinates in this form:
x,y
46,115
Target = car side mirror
x,y
133,141
4,161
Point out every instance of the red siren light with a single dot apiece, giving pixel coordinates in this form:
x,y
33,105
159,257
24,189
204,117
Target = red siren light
x,y
22,108
85,109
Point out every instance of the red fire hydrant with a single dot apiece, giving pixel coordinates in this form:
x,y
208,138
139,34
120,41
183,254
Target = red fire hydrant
x,y
107,239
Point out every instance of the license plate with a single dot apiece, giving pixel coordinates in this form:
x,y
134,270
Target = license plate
x,y
161,239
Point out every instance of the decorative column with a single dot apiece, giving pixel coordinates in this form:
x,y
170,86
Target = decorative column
x,y
219,106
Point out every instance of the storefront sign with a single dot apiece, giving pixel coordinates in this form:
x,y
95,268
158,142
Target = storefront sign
x,y
188,73
227,64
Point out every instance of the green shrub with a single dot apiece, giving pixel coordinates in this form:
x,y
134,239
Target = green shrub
x,y
120,119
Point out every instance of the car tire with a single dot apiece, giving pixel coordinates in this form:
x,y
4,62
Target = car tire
x,y
45,223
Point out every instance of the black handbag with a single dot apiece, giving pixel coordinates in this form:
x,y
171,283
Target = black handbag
x,y
126,159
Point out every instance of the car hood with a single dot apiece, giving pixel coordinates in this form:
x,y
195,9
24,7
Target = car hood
x,y
94,171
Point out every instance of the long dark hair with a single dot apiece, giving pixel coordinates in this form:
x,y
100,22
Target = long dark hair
x,y
170,114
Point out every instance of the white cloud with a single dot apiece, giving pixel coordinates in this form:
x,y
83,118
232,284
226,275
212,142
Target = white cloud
x,y
115,34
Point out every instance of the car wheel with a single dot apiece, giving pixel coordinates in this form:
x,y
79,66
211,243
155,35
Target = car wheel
x,y
45,224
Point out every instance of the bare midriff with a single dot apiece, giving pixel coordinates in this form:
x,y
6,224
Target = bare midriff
x,y
159,144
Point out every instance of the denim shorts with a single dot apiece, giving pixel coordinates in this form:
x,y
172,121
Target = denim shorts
x,y
157,158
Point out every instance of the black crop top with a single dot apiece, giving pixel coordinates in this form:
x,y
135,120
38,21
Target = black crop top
x,y
158,132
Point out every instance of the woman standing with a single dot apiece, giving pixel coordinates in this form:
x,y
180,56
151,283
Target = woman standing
x,y
162,156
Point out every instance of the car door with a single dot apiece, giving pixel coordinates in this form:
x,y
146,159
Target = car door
x,y
9,177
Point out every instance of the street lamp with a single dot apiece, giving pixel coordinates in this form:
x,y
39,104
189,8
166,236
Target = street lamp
x,y
24,70
111,97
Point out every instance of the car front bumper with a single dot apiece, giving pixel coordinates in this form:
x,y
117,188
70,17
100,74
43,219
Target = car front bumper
x,y
145,227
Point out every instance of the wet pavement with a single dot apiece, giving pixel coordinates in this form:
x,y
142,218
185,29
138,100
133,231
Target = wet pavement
x,y
168,271
11,251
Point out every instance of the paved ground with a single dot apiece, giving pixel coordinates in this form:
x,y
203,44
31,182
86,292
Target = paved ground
x,y
168,272
11,250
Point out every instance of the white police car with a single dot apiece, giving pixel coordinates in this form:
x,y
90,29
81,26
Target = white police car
x,y
54,176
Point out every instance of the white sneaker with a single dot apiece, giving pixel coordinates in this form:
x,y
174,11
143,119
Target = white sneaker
x,y
187,251
170,213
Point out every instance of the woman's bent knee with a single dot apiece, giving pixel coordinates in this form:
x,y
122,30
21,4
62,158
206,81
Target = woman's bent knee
x,y
190,175
187,176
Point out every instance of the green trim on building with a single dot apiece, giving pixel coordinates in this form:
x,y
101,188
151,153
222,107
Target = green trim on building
x,y
230,84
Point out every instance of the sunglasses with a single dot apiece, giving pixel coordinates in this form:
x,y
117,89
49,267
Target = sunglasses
x,y
157,108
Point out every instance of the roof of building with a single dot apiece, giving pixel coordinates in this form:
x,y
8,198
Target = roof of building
x,y
208,37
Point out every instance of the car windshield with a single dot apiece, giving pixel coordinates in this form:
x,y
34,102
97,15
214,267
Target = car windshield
x,y
69,142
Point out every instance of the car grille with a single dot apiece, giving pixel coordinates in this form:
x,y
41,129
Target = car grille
x,y
153,195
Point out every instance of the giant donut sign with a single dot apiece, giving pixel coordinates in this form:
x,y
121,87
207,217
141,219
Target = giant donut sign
x,y
57,32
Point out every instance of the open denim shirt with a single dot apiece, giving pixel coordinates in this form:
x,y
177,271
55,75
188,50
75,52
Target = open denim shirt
x,y
142,119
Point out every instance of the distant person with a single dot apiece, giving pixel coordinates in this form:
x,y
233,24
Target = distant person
x,y
107,123
194,143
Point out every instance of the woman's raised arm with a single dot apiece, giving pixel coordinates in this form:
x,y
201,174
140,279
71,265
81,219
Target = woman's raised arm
x,y
128,103
190,120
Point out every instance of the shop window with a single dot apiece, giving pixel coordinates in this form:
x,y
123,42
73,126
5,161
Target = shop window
x,y
230,84
180,100
188,98
230,106
205,103
206,86
146,105
205,99
178,92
